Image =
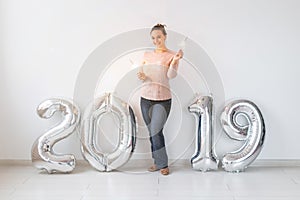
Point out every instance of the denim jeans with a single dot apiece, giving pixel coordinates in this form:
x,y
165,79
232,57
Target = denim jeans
x,y
155,114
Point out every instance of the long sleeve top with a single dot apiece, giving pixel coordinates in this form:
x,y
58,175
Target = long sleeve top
x,y
158,70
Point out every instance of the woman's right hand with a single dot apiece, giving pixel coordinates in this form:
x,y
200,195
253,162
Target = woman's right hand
x,y
142,76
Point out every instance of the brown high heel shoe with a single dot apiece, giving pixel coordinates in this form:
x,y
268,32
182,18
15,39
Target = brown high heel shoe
x,y
153,168
165,171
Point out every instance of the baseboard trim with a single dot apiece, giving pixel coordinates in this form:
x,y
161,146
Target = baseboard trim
x,y
179,162
276,162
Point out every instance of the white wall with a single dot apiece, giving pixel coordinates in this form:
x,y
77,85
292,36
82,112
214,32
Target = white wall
x,y
253,44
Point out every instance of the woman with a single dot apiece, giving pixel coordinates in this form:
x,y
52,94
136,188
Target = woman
x,y
158,67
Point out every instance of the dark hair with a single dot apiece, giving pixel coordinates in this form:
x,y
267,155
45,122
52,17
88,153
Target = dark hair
x,y
160,27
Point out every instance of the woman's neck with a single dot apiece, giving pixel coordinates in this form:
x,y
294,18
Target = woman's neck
x,y
161,49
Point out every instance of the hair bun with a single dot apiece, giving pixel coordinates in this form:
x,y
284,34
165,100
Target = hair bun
x,y
161,25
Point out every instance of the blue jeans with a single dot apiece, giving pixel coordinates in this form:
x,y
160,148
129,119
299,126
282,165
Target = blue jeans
x,y
155,114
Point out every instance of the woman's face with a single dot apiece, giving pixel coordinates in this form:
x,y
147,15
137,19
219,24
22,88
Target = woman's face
x,y
158,38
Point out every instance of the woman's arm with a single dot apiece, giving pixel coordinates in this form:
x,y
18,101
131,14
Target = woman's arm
x,y
141,75
172,71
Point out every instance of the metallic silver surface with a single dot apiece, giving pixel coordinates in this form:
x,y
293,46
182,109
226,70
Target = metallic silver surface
x,y
204,158
253,133
42,153
127,133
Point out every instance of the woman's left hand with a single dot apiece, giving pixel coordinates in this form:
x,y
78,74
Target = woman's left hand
x,y
178,55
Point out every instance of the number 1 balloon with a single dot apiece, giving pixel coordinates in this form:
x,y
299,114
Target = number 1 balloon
x,y
42,153
203,158
252,133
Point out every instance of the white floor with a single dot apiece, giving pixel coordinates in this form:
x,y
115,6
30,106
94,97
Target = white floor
x,y
23,182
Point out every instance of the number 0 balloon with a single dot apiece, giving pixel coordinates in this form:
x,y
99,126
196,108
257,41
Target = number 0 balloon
x,y
252,133
127,133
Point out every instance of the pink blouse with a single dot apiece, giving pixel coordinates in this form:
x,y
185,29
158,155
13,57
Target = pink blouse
x,y
158,70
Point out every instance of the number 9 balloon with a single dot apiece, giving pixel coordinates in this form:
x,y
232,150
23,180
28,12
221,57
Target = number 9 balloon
x,y
252,133
42,153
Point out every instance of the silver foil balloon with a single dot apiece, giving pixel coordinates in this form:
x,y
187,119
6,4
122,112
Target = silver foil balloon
x,y
127,133
42,154
253,133
204,158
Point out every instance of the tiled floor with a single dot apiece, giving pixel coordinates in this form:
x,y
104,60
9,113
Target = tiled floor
x,y
23,182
